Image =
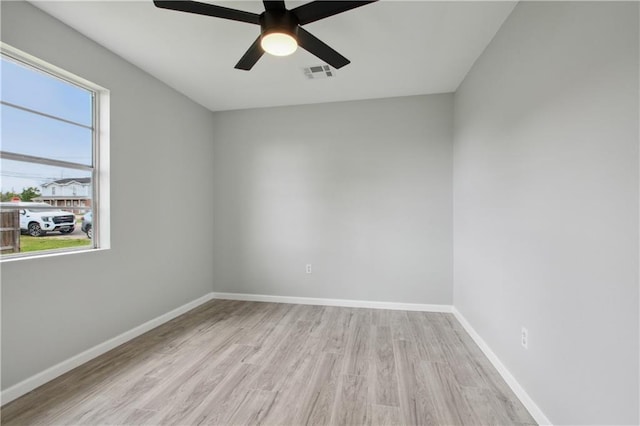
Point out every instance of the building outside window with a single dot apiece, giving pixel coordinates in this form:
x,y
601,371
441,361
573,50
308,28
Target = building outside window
x,y
66,192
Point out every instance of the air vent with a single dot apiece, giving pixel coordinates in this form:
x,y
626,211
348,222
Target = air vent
x,y
320,71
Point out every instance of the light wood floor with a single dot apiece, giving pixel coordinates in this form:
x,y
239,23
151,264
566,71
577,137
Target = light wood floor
x,y
231,362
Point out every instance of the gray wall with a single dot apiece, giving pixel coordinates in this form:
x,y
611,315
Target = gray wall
x,y
361,190
161,153
546,205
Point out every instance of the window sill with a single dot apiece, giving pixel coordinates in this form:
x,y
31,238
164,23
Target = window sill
x,y
23,257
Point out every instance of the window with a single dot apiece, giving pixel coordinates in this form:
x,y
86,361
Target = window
x,y
54,132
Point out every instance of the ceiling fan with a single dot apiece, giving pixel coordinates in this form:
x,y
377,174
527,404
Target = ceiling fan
x,y
281,29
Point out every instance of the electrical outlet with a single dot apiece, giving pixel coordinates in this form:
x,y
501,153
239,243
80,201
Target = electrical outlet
x,y
524,338
308,268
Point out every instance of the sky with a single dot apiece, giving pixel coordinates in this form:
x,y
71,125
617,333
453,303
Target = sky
x,y
23,132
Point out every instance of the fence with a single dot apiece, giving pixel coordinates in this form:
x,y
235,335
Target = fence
x,y
10,231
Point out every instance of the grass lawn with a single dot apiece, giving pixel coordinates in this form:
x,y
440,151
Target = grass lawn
x,y
28,243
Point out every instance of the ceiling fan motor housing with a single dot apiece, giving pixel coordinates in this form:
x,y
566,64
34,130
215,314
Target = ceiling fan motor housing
x,y
279,21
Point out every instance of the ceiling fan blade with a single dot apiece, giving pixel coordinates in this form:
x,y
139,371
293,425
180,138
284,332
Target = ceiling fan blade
x,y
209,10
316,47
274,5
319,9
251,56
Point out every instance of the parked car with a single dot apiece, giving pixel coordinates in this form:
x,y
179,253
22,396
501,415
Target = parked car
x,y
87,224
37,219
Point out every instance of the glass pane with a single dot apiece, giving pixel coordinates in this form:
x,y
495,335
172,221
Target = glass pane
x,y
29,88
23,132
54,207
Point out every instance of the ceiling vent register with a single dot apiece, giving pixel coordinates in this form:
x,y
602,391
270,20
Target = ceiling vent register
x,y
321,71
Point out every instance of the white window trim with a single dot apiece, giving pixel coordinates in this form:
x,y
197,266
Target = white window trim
x,y
101,175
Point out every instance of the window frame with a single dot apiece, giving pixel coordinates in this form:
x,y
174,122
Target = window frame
x,y
100,175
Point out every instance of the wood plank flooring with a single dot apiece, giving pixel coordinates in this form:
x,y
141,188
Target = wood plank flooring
x,y
237,363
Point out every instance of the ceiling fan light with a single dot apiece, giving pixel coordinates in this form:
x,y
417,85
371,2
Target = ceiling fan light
x,y
279,44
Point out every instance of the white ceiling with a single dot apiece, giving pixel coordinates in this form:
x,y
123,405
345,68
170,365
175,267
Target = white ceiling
x,y
396,48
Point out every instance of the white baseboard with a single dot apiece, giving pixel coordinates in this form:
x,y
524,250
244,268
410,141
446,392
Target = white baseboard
x,y
346,303
522,395
59,369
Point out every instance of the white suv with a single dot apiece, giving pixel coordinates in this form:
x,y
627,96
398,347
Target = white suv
x,y
39,218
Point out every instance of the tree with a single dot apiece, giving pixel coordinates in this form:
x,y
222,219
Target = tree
x,y
30,193
7,196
